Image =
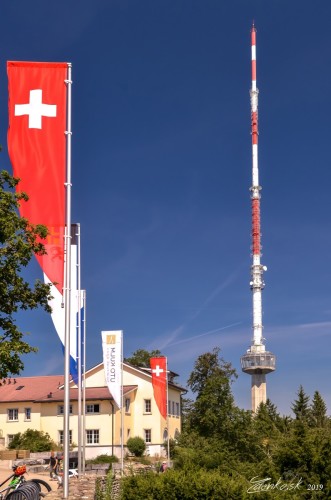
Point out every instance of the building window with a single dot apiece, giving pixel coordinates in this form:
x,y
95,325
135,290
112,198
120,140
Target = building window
x,y
148,435
177,409
60,409
12,414
128,433
93,408
148,406
169,407
61,437
165,434
92,436
10,437
27,414
127,405
173,407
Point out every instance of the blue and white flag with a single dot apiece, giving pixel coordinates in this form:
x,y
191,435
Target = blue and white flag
x,y
76,305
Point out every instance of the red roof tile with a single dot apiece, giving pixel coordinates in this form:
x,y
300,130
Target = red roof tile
x,y
46,389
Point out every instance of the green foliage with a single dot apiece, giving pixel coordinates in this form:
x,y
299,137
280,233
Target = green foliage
x,y
142,357
19,241
32,440
187,485
211,382
300,406
224,451
318,411
103,459
103,489
136,445
172,446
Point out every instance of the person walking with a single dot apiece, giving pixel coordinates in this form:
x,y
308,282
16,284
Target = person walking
x,y
52,465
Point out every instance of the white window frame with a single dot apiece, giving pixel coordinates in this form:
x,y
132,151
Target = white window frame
x,y
92,436
12,415
60,410
61,437
148,436
91,408
27,414
127,405
148,404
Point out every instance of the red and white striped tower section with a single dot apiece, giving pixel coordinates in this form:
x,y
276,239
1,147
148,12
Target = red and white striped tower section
x,y
257,362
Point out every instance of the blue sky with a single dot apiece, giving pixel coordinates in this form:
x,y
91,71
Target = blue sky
x,y
162,170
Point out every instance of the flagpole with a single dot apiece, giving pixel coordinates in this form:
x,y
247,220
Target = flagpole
x,y
168,434
122,414
67,292
79,353
84,378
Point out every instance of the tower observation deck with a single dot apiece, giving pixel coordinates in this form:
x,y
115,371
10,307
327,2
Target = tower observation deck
x,y
257,362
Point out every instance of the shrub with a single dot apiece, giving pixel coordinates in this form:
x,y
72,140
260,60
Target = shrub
x,y
188,485
32,440
103,459
136,445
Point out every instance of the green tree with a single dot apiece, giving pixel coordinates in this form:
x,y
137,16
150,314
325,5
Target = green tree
x,y
318,411
300,406
141,357
32,440
214,404
19,240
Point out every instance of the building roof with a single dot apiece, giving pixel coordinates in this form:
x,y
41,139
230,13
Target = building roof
x,y
91,393
45,389
29,388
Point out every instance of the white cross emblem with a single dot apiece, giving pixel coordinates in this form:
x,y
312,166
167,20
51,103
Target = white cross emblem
x,y
35,109
158,370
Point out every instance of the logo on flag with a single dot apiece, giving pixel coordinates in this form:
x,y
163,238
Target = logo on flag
x,y
112,362
159,381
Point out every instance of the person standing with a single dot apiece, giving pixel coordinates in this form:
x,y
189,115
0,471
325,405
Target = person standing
x,y
52,465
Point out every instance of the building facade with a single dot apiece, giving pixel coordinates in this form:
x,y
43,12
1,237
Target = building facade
x,y
37,403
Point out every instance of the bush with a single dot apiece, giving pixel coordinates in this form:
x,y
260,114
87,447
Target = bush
x,y
103,459
136,446
188,485
32,440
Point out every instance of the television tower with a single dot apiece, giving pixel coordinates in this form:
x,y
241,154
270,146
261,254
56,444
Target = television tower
x,y
257,362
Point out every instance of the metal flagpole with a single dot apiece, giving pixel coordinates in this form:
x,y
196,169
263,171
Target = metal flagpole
x,y
67,292
168,441
122,413
79,353
84,379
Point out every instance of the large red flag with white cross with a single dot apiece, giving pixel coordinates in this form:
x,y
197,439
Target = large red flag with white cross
x,y
159,381
37,150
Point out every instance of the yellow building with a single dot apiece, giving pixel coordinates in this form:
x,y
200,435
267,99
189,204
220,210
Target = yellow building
x,y
37,403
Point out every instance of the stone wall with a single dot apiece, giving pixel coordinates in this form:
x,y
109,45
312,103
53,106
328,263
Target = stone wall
x,y
82,487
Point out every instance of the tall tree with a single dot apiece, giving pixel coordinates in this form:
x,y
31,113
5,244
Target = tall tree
x,y
318,411
19,240
300,406
211,382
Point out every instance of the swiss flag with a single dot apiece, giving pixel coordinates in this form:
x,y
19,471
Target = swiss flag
x,y
37,150
159,381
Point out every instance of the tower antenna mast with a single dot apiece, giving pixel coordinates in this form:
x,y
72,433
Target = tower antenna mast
x,y
257,362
